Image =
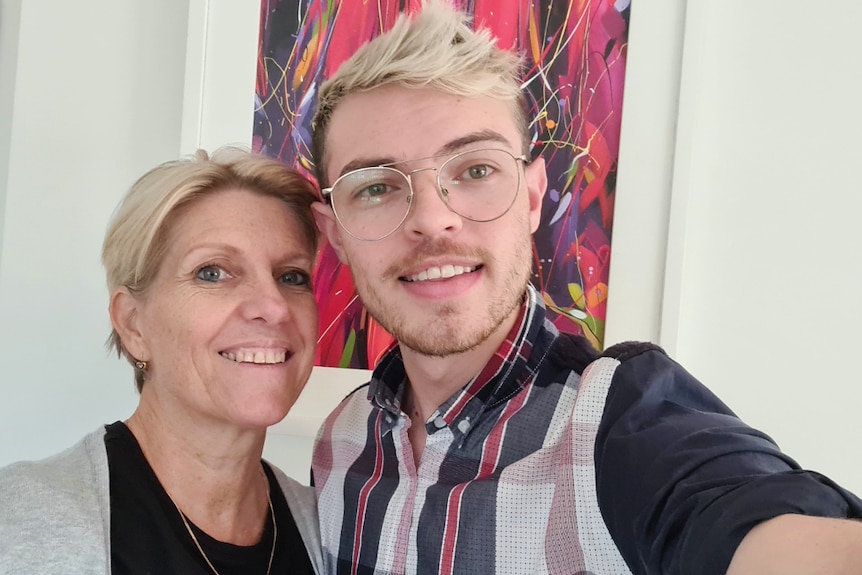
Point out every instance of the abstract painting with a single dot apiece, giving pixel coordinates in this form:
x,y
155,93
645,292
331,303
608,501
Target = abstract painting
x,y
575,55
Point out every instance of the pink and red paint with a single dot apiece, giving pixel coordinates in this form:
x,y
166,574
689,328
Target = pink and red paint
x,y
576,56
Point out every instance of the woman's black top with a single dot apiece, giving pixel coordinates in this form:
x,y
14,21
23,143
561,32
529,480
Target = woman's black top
x,y
148,534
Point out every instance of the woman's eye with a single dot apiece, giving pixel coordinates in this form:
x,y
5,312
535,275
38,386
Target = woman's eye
x,y
211,273
296,278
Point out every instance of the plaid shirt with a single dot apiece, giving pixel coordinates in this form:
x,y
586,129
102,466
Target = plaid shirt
x,y
506,483
508,478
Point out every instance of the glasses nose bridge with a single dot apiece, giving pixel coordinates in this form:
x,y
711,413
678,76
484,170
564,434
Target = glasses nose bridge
x,y
410,173
436,180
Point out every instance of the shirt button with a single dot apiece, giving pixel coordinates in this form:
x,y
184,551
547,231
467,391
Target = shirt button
x,y
464,425
439,422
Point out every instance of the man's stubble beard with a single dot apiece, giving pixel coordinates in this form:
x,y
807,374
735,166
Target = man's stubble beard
x,y
445,332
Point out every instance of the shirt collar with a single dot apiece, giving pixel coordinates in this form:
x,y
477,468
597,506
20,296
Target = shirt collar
x,y
505,374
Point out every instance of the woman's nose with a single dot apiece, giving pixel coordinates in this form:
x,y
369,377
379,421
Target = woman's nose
x,y
266,300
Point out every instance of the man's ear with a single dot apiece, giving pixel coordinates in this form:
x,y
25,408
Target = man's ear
x,y
536,177
325,218
125,319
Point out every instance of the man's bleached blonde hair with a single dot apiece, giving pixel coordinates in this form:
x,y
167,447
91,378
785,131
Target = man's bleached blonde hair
x,y
434,48
137,237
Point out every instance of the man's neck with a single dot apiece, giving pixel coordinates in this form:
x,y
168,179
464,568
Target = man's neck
x,y
433,380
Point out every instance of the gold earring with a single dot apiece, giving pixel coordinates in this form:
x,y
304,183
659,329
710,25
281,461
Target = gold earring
x,y
142,365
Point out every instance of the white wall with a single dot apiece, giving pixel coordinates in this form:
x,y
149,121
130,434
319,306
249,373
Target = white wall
x,y
763,301
96,99
10,15
733,232
736,226
650,104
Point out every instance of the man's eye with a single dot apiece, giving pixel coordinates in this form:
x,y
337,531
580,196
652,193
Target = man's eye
x,y
296,278
477,172
211,273
371,192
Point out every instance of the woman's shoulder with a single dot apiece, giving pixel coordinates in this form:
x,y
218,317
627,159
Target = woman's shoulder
x,y
55,503
303,506
58,473
300,498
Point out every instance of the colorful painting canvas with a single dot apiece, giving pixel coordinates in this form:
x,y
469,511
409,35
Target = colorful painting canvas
x,y
575,54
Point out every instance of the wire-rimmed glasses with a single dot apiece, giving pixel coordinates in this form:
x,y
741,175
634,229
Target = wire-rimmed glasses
x,y
478,185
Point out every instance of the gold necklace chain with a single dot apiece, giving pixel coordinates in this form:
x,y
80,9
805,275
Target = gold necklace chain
x,y
201,549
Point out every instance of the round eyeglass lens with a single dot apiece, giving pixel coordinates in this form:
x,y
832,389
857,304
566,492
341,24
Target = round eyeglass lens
x,y
371,202
480,185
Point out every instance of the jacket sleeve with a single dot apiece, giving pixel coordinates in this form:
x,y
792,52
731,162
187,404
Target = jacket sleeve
x,y
681,480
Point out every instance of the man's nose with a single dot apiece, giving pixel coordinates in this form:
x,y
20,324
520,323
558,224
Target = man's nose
x,y
429,215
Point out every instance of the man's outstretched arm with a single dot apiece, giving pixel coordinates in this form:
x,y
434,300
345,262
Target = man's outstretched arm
x,y
682,482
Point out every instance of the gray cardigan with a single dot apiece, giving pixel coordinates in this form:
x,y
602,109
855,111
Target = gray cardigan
x,y
55,513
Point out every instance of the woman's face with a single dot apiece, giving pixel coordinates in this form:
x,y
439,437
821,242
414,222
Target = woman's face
x,y
229,325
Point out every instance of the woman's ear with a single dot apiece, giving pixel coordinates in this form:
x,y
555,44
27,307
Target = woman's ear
x,y
125,319
325,218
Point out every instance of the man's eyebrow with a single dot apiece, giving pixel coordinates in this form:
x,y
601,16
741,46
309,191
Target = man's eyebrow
x,y
472,138
365,163
451,147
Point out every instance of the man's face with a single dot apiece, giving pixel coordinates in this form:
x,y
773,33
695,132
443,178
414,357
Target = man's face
x,y
406,280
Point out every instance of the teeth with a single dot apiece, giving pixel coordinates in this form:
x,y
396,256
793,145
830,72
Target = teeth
x,y
259,356
446,271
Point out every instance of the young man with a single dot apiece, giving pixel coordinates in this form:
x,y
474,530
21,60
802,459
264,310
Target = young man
x,y
487,442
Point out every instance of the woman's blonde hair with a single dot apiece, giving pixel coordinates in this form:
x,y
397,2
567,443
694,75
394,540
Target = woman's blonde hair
x,y
434,48
136,240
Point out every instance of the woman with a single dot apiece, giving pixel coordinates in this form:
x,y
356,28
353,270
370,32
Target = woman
x,y
209,265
